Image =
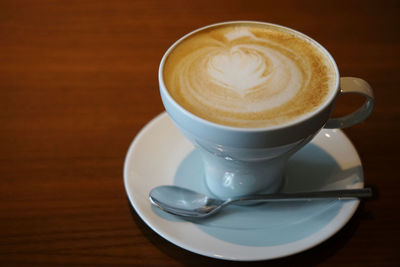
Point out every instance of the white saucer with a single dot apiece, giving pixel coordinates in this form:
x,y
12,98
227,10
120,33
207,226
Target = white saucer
x,y
160,155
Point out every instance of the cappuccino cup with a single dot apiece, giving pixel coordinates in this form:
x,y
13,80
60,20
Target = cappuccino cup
x,y
248,95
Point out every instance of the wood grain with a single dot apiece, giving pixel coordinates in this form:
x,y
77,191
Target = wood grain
x,y
78,80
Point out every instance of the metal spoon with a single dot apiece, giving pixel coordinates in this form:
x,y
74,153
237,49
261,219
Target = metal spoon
x,y
187,203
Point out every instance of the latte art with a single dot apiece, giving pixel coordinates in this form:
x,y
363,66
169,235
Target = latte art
x,y
248,75
237,69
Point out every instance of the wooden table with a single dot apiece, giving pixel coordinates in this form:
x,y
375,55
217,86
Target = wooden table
x,y
78,80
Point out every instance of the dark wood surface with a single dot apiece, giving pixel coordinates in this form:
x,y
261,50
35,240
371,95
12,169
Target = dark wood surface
x,y
78,80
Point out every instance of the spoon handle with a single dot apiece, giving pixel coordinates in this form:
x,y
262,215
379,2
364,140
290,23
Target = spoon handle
x,y
339,194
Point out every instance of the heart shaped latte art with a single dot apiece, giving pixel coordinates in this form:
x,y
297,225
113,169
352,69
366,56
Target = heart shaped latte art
x,y
249,68
238,69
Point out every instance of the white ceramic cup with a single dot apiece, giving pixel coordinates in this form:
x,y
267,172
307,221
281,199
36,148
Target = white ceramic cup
x,y
240,161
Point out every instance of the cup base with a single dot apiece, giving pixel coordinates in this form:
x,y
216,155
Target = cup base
x,y
226,184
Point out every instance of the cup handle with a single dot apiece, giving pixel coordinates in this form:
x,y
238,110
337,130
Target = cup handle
x,y
355,86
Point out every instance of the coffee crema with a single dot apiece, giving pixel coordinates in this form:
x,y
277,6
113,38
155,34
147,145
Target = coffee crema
x,y
248,75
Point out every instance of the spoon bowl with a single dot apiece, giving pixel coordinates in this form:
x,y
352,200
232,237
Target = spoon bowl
x,y
190,204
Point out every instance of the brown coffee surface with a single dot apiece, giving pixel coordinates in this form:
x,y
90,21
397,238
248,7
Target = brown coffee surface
x,y
249,75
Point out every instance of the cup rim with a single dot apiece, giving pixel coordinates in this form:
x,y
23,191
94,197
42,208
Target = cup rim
x,y
331,97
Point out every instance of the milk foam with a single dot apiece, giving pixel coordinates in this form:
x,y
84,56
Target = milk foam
x,y
247,76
